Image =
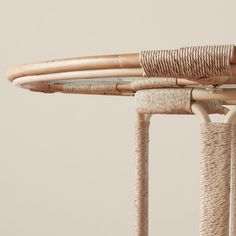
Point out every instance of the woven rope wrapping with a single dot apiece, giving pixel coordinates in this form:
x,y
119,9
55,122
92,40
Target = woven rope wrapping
x,y
215,179
171,101
215,160
147,83
163,101
212,107
141,159
178,101
233,182
194,63
92,87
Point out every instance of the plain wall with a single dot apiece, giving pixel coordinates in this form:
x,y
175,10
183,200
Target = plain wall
x,y
67,161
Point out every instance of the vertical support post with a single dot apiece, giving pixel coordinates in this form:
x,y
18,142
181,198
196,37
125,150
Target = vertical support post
x,y
233,183
141,174
215,179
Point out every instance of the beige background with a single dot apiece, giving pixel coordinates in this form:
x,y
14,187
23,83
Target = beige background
x,y
66,161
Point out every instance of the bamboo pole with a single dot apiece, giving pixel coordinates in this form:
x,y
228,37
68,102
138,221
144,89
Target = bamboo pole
x,y
85,63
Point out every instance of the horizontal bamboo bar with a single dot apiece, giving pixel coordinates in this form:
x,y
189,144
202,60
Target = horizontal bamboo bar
x,y
219,94
122,69
226,95
85,63
86,74
131,74
124,88
75,64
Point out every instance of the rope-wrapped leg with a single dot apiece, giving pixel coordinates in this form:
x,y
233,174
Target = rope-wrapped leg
x,y
233,183
215,179
141,175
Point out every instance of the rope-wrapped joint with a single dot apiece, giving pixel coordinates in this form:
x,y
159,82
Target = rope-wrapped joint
x,y
215,170
91,88
205,64
154,82
171,101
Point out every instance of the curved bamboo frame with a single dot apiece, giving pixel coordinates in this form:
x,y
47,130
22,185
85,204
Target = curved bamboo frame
x,y
86,63
51,76
48,76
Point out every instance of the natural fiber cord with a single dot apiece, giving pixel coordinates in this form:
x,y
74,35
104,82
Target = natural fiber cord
x,y
163,101
216,155
171,101
91,88
148,83
194,63
206,65
233,182
215,179
141,186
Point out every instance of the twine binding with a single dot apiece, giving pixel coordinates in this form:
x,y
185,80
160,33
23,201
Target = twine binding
x,y
205,64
